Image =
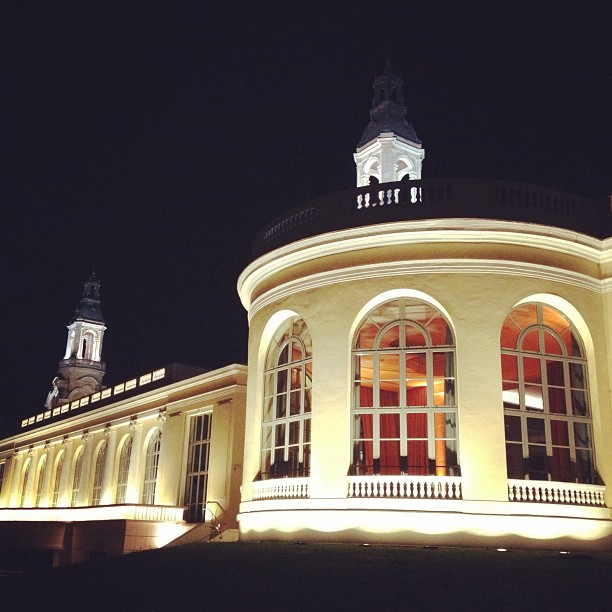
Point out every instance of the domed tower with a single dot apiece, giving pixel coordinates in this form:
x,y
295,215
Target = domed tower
x,y
389,148
81,370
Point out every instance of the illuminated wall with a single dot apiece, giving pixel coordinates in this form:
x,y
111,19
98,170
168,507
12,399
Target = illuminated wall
x,y
136,459
473,272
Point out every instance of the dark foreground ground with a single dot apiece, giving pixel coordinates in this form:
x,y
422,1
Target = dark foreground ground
x,y
270,576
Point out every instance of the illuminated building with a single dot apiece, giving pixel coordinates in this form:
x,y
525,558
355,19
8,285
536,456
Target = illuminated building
x,y
155,459
430,360
430,363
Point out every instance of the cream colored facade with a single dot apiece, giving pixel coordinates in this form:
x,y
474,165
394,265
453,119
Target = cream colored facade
x,y
474,272
125,501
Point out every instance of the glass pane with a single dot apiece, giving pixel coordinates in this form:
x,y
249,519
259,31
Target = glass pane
x,y
536,431
418,458
283,358
364,368
510,332
531,341
294,432
294,406
296,378
389,394
389,426
416,367
538,463
364,396
306,427
362,458
561,465
509,367
579,403
362,427
445,425
367,333
573,344
443,365
281,406
533,397
556,400
582,435
389,457
554,373
558,433
513,428
388,364
585,468
551,344
296,351
280,435
390,338
514,461
577,376
532,372
307,401
281,381
414,336
417,425
416,396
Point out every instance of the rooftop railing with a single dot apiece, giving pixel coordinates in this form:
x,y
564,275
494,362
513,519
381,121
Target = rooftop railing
x,y
438,198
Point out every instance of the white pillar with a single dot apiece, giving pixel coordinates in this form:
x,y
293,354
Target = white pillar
x,y
134,478
107,477
84,497
45,500
63,500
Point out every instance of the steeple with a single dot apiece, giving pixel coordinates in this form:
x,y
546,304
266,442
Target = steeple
x,y
81,370
389,148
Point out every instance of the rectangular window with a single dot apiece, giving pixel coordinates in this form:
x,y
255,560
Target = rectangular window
x,y
197,467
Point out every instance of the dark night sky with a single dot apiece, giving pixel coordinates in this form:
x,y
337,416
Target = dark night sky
x,y
150,140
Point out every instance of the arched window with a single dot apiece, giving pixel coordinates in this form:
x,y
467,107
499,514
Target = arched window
x,y
96,490
285,442
57,480
404,416
24,481
546,397
76,477
123,470
42,466
151,464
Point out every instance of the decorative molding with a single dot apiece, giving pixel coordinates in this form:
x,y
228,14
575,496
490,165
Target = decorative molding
x,y
433,266
431,231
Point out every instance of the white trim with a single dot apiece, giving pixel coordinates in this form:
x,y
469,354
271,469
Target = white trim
x,y
433,231
429,266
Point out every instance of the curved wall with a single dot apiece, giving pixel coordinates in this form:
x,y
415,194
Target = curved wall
x,y
475,272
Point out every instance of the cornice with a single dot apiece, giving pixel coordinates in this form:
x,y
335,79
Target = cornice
x,y
429,231
433,266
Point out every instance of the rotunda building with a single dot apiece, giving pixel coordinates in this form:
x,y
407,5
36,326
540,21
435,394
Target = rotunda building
x,y
430,360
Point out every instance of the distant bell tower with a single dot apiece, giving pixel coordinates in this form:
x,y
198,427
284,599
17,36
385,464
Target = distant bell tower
x,y
389,149
81,370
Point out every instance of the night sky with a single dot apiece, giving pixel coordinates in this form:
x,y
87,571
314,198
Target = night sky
x,y
149,141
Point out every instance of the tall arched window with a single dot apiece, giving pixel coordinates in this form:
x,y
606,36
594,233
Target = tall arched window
x,y
57,479
76,477
24,481
123,470
96,490
285,441
404,416
151,464
546,397
42,466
